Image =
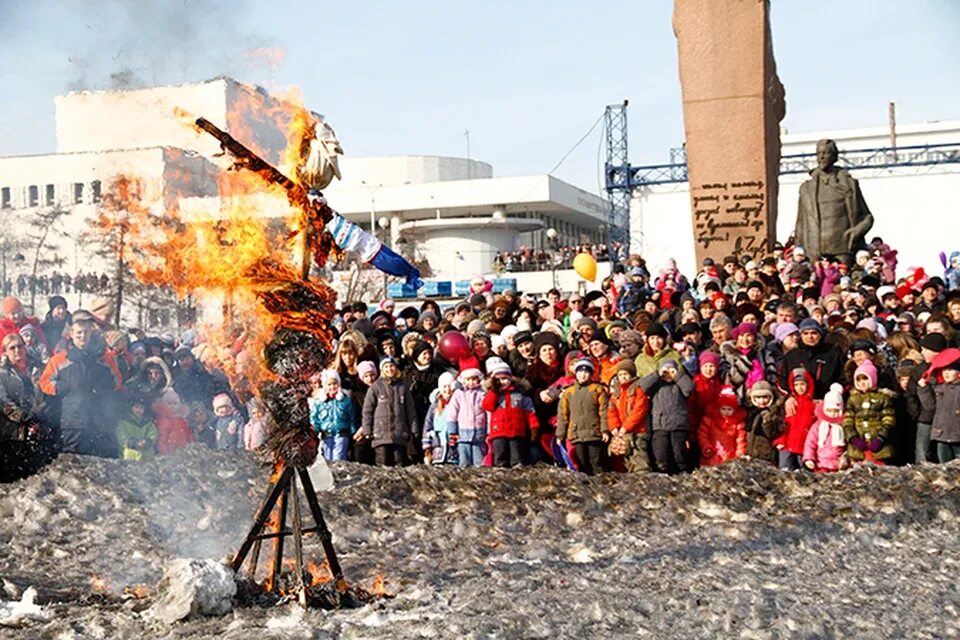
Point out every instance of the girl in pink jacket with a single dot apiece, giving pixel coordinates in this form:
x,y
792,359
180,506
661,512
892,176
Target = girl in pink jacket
x,y
825,448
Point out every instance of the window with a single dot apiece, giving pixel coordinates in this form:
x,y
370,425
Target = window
x,y
95,188
5,202
77,193
34,196
49,199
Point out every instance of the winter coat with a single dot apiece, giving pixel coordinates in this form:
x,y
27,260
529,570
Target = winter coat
x,y
825,445
512,414
823,362
582,415
795,427
722,438
668,401
628,409
915,407
466,416
222,427
86,381
607,366
944,401
763,427
255,433
173,433
389,413
130,432
333,416
542,377
649,363
437,428
421,383
17,403
868,416
705,392
140,384
744,369
197,385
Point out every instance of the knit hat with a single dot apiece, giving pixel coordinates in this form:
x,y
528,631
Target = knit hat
x,y
834,398
798,373
330,374
102,307
811,324
728,397
761,388
418,348
869,370
498,368
57,301
473,372
657,329
446,379
934,342
28,329
497,341
222,400
365,367
509,331
583,363
669,363
870,324
521,337
387,360
588,321
785,329
480,336
626,365
862,345
547,337
631,337
744,328
11,305
475,326
709,357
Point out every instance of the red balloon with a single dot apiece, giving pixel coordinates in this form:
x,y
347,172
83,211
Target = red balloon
x,y
454,345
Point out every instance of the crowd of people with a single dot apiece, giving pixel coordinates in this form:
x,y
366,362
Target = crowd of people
x,y
802,364
56,283
527,259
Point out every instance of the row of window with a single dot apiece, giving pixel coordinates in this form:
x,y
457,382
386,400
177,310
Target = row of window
x,y
50,195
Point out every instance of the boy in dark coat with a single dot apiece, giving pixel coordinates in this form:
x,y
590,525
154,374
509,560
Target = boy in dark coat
x,y
668,389
764,422
389,416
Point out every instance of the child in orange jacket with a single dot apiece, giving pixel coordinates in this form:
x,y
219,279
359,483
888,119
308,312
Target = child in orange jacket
x,y
722,435
627,418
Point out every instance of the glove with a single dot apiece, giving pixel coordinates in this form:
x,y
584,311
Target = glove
x,y
875,445
809,464
858,443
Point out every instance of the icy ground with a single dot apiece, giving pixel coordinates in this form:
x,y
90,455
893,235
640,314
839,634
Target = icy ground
x,y
739,551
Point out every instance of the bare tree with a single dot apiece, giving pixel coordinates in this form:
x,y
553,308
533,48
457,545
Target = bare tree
x,y
44,229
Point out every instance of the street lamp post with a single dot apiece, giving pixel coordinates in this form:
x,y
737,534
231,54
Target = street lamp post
x,y
384,222
373,204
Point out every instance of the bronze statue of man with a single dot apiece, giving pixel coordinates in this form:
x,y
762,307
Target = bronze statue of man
x,y
832,216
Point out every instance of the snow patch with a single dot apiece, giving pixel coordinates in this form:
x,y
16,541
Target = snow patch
x,y
18,613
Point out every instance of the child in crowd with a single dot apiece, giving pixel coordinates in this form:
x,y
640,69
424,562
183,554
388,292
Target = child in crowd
x,y
367,371
800,416
172,427
627,419
200,423
333,417
258,427
227,423
668,389
389,416
137,432
468,420
723,431
942,395
764,422
869,419
439,439
706,388
582,418
513,421
826,448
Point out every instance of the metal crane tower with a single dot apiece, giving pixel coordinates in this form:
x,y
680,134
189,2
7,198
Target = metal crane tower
x,y
619,182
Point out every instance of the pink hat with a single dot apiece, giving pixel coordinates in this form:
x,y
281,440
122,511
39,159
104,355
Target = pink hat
x,y
366,366
708,357
867,369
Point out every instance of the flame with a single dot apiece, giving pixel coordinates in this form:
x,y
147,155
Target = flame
x,y
99,585
137,591
269,56
379,587
319,573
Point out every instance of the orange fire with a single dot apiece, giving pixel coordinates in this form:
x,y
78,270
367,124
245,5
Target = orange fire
x,y
99,585
238,248
319,573
379,587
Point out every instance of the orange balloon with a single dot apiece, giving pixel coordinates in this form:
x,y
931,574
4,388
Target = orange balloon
x,y
585,266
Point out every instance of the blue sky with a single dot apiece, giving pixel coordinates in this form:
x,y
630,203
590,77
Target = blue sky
x,y
527,79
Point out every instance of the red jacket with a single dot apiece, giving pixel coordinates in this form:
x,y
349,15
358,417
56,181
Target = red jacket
x,y
511,414
628,409
705,392
795,428
722,438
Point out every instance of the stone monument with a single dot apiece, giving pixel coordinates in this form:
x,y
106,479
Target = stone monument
x,y
732,106
832,216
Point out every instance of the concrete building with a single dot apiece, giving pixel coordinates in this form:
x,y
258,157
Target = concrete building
x,y
914,204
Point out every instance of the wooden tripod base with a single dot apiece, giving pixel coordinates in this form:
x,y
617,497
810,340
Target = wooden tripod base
x,y
281,492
